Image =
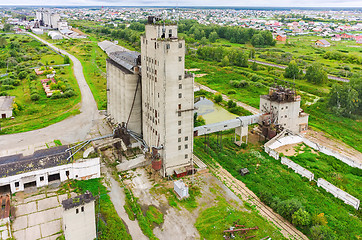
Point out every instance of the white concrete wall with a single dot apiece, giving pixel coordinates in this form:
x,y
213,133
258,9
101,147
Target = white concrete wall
x,y
80,170
8,113
297,168
271,152
81,225
338,193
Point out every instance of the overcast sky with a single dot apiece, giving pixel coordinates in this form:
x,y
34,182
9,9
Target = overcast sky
x,y
179,3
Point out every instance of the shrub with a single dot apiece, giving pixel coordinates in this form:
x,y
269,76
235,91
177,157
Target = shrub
x,y
232,92
218,98
34,97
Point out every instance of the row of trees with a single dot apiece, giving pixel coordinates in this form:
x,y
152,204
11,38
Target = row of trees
x,y
224,55
234,34
345,100
314,74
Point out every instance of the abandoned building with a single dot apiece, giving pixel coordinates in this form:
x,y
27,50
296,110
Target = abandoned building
x,y
79,217
281,107
6,106
44,167
151,95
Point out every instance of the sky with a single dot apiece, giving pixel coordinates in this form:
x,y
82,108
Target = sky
x,y
180,3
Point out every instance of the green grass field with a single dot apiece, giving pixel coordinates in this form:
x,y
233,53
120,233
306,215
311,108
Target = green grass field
x,y
269,177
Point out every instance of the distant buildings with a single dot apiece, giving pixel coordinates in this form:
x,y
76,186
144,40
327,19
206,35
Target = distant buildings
x,y
322,43
47,18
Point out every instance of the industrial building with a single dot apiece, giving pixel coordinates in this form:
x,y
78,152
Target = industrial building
x,y
151,95
79,217
281,108
44,167
47,19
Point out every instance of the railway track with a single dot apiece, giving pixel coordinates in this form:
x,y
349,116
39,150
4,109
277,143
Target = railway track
x,y
287,229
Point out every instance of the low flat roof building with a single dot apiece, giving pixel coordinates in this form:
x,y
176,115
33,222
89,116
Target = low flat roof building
x,y
6,106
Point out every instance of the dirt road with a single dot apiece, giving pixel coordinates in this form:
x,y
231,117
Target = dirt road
x,y
70,130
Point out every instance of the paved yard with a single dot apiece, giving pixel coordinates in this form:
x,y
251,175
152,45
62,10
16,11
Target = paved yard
x,y
38,217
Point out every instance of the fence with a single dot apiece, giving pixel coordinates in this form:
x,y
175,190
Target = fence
x,y
338,193
330,152
297,168
271,152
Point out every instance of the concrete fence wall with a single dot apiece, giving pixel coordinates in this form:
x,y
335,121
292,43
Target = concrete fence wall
x,y
338,193
333,153
272,153
297,168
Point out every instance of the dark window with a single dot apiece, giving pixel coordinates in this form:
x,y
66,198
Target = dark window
x,y
155,72
16,184
180,45
186,146
179,107
179,77
179,123
179,114
285,116
76,210
179,59
41,178
179,131
179,147
180,86
180,95
186,156
179,139
67,173
167,46
82,208
186,138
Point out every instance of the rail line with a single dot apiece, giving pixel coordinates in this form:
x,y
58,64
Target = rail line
x,y
287,229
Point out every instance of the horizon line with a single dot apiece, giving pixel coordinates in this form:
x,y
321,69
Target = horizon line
x,y
172,6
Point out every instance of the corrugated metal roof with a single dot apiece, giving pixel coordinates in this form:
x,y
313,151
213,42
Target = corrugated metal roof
x,y
127,60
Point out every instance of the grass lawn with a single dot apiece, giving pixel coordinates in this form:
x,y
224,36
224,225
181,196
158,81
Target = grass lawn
x,y
93,60
269,177
29,114
53,59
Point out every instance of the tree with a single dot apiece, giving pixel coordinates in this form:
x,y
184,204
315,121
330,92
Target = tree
x,y
225,61
22,75
319,232
252,53
257,40
218,98
7,27
3,42
66,59
316,74
213,37
292,71
231,104
301,218
344,100
203,41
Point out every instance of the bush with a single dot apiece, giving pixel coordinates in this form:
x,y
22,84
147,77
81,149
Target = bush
x,y
218,98
69,93
56,95
232,92
35,97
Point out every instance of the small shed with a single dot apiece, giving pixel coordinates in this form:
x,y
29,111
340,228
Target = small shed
x,y
6,106
181,189
322,43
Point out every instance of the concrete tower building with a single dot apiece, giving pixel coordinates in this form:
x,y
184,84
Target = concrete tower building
x,y
167,96
284,106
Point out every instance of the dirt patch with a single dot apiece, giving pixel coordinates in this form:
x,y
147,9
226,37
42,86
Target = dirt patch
x,y
334,144
200,75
